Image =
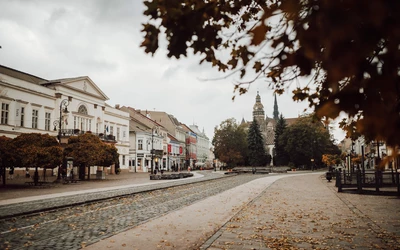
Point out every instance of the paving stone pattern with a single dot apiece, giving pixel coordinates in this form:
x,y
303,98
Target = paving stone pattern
x,y
77,226
7,211
300,213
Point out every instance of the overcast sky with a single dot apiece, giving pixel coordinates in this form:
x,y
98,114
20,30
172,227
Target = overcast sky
x,y
56,39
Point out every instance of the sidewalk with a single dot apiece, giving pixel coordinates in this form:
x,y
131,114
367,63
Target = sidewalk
x,y
275,212
17,191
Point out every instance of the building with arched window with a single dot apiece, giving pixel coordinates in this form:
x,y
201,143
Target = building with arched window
x,y
30,104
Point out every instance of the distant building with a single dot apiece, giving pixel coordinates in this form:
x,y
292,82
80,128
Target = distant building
x,y
267,124
174,128
203,146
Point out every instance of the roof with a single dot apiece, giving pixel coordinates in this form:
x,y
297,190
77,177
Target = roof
x,y
139,117
186,128
290,121
21,75
174,120
172,138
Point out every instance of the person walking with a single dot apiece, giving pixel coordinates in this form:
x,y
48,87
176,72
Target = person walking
x,y
27,174
11,173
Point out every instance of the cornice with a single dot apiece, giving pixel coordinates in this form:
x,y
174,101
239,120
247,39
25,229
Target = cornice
x,y
2,83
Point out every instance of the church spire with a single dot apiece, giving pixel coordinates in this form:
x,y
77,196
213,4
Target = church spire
x,y
258,108
276,112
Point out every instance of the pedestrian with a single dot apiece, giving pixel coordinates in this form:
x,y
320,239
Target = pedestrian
x,y
11,173
27,174
64,173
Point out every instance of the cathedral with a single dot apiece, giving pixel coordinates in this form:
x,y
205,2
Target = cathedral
x,y
267,124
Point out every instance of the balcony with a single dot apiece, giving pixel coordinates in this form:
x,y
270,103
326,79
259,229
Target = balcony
x,y
75,132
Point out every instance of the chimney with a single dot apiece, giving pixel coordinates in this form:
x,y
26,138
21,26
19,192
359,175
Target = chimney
x,y
117,106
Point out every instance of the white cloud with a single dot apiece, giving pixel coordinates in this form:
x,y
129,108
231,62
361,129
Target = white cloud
x,y
101,39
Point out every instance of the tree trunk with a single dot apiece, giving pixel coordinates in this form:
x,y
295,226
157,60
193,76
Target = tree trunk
x,y
36,176
59,173
44,174
88,173
81,172
3,175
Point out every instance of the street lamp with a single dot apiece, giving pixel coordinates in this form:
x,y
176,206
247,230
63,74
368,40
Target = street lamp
x,y
64,103
152,148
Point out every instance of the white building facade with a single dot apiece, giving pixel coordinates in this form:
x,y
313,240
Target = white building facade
x,y
203,146
30,104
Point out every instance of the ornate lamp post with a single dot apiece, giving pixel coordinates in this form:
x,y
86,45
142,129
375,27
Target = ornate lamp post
x,y
152,148
63,104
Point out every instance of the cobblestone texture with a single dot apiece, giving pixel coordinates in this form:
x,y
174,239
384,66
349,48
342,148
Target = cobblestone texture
x,y
77,226
308,213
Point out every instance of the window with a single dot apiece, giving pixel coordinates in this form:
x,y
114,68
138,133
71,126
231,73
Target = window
x,y
90,125
97,128
123,160
22,116
4,113
140,144
47,121
75,122
82,126
35,114
82,110
105,129
118,131
124,133
111,130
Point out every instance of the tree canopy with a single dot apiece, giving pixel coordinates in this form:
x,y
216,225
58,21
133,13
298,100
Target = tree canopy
x,y
307,140
347,50
7,157
257,156
37,151
88,150
230,144
281,157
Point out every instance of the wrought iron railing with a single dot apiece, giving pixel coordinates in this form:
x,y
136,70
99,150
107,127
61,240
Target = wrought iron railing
x,y
368,179
75,132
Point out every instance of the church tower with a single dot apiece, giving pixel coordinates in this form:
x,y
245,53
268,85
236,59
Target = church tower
x,y
276,111
258,111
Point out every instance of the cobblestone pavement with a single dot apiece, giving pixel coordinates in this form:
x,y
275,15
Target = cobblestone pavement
x,y
299,212
106,189
307,213
77,226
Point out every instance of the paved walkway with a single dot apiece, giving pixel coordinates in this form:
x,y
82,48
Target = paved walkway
x,y
275,212
298,212
18,188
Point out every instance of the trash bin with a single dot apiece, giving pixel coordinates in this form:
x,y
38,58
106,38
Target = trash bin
x,y
328,176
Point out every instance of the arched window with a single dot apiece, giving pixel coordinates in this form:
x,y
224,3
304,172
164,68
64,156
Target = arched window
x,y
82,110
80,121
